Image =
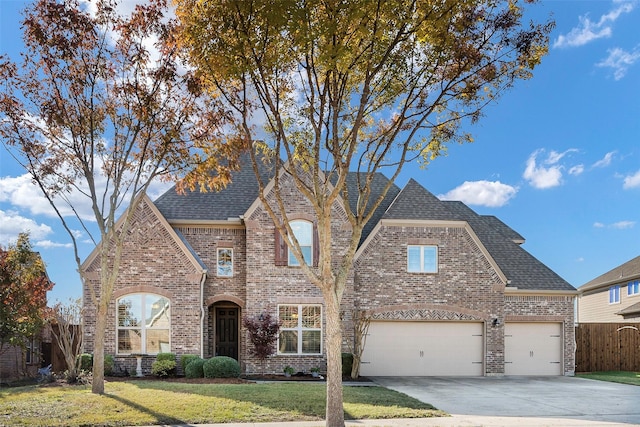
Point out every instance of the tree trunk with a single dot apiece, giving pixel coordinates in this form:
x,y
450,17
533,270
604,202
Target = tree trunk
x,y
97,384
334,411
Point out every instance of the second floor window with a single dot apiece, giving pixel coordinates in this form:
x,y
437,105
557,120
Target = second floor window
x,y
633,288
422,259
614,294
303,230
225,262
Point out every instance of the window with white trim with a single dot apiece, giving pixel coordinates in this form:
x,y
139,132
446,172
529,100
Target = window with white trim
x,y
225,262
300,329
633,288
303,230
422,259
143,324
614,294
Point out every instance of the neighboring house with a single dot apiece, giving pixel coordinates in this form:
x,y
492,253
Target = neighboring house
x,y
450,292
613,297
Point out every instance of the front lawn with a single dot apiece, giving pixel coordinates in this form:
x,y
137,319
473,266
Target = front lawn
x,y
159,402
623,377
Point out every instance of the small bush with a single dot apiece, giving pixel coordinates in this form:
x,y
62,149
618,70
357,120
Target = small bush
x,y
221,367
347,363
86,362
166,356
185,359
109,364
195,368
163,368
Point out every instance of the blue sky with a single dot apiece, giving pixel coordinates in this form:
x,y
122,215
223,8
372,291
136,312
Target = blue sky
x,y
557,158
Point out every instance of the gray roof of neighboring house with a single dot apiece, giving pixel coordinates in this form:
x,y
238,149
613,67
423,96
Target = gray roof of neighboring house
x,y
632,309
522,269
628,270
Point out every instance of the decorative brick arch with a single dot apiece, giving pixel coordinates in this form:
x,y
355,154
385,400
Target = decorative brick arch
x,y
143,289
426,312
224,297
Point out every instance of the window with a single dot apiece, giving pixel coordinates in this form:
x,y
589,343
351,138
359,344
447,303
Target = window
x,y
303,230
225,262
307,235
614,294
422,259
32,353
300,329
143,324
633,288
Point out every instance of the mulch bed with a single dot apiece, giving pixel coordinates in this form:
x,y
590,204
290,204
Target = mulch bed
x,y
246,379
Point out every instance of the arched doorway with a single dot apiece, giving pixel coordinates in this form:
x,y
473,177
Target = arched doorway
x,y
224,317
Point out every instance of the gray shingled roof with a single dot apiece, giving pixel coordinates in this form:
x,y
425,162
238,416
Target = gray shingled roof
x,y
632,309
628,270
377,186
231,202
521,268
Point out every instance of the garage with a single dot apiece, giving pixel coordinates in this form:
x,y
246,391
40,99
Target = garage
x,y
400,348
533,349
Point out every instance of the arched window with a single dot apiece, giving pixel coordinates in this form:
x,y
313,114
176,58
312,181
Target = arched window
x,y
143,324
303,230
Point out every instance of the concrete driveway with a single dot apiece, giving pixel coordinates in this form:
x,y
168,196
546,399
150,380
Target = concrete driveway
x,y
541,400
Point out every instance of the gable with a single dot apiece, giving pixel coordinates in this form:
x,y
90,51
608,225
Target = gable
x,y
149,227
501,245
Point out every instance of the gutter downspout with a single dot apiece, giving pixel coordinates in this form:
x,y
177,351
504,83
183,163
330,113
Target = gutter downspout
x,y
202,312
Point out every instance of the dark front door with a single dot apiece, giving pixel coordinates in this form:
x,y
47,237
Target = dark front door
x,y
227,332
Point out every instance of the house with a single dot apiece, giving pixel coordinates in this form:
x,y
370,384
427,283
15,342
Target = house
x,y
449,292
613,297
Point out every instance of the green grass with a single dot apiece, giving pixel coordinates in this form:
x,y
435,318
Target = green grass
x,y
157,402
623,377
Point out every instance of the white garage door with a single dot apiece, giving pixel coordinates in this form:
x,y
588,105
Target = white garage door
x,y
423,349
533,349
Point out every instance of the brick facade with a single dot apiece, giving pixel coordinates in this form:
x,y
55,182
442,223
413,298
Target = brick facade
x,y
467,286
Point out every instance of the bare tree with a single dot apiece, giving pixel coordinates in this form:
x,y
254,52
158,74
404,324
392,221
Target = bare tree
x,y
98,108
65,321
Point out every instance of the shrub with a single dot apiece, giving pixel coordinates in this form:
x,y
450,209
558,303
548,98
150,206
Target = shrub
x,y
109,364
166,356
163,368
347,363
221,367
185,359
194,368
86,362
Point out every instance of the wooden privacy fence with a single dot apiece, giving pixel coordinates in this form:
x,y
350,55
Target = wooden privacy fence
x,y
607,347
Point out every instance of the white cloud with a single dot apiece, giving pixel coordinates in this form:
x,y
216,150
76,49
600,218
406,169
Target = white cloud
x,y
542,177
620,225
12,224
483,193
588,30
22,193
620,61
48,244
576,170
632,181
605,161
